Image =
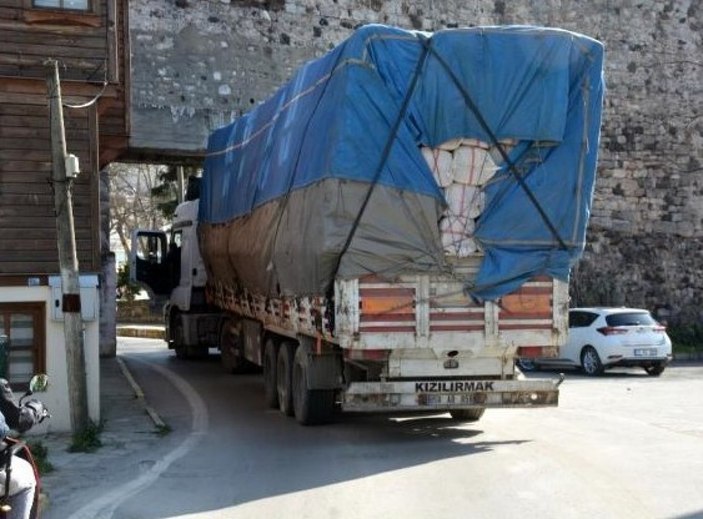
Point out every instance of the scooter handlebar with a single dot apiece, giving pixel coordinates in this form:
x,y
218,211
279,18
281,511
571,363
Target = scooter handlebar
x,y
40,411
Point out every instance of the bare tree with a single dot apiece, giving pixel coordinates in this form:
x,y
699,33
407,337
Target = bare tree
x,y
132,205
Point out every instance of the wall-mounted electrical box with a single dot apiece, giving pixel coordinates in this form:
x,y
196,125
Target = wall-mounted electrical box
x,y
89,297
72,166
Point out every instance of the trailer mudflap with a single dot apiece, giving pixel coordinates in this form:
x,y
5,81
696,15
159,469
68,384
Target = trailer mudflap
x,y
445,395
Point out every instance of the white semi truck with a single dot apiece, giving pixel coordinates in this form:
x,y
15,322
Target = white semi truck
x,y
388,233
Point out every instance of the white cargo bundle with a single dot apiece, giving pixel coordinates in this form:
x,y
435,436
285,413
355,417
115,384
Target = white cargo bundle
x,y
440,162
462,167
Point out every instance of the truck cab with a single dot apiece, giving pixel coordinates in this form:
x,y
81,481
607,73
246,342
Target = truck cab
x,y
169,265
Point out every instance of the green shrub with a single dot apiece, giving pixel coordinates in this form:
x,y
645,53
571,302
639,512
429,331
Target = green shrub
x,y
686,337
41,457
125,288
87,440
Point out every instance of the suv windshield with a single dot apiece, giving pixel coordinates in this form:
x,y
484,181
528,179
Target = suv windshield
x,y
630,319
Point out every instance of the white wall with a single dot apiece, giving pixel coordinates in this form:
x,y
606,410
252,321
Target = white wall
x,y
56,397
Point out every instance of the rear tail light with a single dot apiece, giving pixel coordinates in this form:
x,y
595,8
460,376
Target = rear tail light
x,y
659,328
533,352
612,330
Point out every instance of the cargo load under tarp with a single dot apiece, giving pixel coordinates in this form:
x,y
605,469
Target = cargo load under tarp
x,y
327,178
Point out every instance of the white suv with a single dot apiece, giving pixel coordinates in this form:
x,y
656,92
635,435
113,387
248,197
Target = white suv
x,y
602,338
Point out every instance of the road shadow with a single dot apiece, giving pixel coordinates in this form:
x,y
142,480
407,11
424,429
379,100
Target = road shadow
x,y
264,454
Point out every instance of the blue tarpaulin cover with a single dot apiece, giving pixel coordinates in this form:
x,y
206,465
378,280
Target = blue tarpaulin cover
x,y
360,113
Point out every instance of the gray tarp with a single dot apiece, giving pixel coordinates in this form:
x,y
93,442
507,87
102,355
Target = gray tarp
x,y
398,233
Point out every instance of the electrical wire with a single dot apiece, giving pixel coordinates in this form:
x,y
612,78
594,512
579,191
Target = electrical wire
x,y
97,96
89,103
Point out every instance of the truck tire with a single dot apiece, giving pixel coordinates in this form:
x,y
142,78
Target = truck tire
x,y
284,377
179,345
230,349
269,369
311,406
183,350
467,415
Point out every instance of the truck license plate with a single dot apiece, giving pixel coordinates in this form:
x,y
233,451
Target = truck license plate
x,y
444,399
645,352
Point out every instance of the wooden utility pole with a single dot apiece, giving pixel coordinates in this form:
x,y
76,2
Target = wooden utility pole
x,y
68,259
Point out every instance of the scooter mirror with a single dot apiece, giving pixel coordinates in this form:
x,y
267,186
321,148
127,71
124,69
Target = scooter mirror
x,y
39,383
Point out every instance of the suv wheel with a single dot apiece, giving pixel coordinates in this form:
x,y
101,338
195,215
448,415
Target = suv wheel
x,y
590,361
655,370
526,365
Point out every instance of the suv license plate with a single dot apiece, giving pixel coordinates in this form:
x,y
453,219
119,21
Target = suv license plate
x,y
645,352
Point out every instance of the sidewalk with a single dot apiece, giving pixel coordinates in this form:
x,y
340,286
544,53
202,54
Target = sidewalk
x,y
128,430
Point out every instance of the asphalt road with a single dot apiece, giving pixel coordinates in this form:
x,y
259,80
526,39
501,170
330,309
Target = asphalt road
x,y
625,445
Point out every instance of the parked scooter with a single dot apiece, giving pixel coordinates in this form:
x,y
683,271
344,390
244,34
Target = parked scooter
x,y
11,447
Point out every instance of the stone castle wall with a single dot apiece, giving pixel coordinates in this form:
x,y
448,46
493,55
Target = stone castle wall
x,y
196,64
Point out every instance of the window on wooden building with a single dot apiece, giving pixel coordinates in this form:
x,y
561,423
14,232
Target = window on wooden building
x,y
22,324
76,5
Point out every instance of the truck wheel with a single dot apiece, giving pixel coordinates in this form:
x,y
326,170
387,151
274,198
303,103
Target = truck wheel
x,y
311,406
270,388
467,415
230,349
183,350
284,371
179,345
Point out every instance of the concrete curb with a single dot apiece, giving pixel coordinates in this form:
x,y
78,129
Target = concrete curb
x,y
139,394
141,331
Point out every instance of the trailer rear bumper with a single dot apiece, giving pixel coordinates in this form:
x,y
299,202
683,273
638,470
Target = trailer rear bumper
x,y
445,395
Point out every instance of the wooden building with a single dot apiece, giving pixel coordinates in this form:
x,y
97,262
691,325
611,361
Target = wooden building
x,y
89,38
